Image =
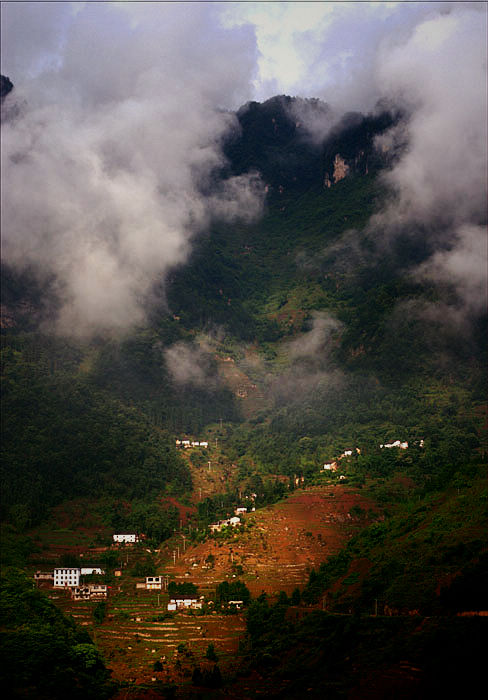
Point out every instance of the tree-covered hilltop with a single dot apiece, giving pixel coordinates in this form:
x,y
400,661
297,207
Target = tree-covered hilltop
x,y
62,437
338,656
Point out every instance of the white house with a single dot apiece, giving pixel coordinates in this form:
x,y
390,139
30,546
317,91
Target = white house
x,y
43,576
204,444
232,522
185,604
330,466
240,510
236,604
89,570
397,443
89,592
125,538
154,583
66,577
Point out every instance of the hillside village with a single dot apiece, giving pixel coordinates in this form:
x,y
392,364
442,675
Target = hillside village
x,y
244,409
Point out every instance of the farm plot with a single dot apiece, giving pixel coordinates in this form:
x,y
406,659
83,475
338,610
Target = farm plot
x,y
280,544
141,642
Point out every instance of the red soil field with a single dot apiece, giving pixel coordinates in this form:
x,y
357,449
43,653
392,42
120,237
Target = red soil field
x,y
280,544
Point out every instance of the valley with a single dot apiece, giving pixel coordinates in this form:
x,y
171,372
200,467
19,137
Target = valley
x,y
243,363
274,551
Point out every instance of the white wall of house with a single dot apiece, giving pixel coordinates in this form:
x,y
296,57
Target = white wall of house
x,y
125,537
89,570
68,576
154,583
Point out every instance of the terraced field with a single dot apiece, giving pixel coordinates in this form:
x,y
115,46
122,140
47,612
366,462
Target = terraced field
x,y
137,632
145,645
280,544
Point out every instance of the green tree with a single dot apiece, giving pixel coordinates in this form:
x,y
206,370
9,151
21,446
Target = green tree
x,y
99,612
210,653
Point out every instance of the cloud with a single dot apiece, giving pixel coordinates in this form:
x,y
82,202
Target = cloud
x,y
439,183
316,343
463,266
122,110
193,365
120,122
430,61
310,371
440,74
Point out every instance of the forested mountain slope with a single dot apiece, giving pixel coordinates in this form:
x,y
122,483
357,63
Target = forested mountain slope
x,y
344,345
305,337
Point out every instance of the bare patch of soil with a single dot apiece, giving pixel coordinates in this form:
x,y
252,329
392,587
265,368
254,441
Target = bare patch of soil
x,y
184,512
280,544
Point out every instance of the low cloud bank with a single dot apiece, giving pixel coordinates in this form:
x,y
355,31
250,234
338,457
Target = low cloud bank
x,y
116,124
429,62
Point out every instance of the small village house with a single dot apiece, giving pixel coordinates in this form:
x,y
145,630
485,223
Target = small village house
x,y
230,522
330,466
125,538
154,583
90,570
90,592
66,577
185,604
44,576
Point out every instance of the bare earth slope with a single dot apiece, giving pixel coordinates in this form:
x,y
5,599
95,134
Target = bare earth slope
x,y
280,544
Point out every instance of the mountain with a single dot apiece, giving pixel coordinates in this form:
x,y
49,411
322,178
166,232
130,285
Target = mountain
x,y
6,86
312,312
305,337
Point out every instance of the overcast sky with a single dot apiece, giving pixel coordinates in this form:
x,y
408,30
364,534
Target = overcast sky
x,y
118,124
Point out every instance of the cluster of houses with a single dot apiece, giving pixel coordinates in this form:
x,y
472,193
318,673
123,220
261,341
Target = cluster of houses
x,y
397,443
400,444
125,538
191,443
235,520
69,578
332,466
228,522
185,604
197,604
